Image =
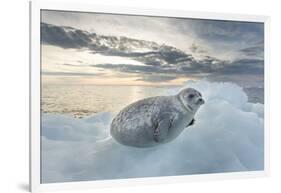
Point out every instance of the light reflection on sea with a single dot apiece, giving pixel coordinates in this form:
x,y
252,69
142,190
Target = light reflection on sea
x,y
83,100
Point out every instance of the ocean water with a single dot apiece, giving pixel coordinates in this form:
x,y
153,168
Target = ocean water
x,y
84,100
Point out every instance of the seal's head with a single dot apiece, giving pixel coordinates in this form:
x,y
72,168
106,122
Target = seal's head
x,y
191,99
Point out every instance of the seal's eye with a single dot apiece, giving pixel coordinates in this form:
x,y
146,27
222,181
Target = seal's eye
x,y
191,96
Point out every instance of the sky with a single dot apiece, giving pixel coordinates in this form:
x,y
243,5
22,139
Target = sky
x,y
110,49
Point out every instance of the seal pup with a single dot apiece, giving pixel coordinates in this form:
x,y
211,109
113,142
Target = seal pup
x,y
156,120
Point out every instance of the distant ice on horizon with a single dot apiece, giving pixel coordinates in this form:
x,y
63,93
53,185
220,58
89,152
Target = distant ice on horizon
x,y
227,137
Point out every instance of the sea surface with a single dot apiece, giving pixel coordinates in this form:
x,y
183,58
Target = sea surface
x,y
83,100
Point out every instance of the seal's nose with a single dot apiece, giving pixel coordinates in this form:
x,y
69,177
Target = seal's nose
x,y
201,101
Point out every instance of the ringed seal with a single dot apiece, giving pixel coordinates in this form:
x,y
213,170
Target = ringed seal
x,y
156,120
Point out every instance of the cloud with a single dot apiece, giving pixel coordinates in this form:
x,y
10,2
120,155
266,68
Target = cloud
x,y
196,49
204,67
224,32
221,39
157,78
252,51
230,140
161,58
256,50
154,53
65,37
244,66
129,68
67,73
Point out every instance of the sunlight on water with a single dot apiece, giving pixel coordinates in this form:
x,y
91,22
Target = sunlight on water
x,y
84,100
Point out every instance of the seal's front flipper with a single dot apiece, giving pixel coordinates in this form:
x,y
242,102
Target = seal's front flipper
x,y
161,130
191,122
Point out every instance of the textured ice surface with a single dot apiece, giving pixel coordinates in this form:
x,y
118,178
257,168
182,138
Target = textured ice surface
x,y
227,137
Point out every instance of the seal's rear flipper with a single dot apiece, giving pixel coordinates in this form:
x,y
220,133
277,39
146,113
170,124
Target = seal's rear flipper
x,y
191,122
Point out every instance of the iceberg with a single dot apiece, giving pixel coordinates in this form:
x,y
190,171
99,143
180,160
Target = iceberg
x,y
228,136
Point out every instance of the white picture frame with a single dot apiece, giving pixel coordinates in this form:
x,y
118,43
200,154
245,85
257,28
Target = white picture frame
x,y
35,7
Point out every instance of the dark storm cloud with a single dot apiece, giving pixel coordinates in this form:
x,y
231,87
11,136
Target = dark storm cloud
x,y
252,51
65,37
255,50
245,66
225,31
164,59
219,37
